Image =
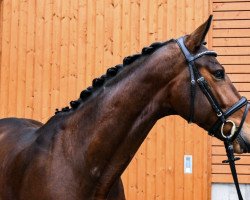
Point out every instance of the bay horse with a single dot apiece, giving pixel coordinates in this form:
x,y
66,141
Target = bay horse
x,y
81,152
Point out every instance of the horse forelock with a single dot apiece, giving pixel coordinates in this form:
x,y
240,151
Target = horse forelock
x,y
110,73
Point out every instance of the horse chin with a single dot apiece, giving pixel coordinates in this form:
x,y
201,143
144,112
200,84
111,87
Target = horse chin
x,y
244,139
237,148
241,144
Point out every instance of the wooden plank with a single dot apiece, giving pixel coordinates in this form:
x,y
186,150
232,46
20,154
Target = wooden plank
x,y
217,142
161,143
231,15
90,56
239,78
231,24
81,45
12,100
170,164
5,62
1,34
108,32
242,60
64,58
245,160
227,178
227,33
171,19
242,87
231,42
47,60
229,6
72,72
233,51
245,94
21,62
99,40
38,63
227,1
116,35
225,169
237,69
55,57
29,79
179,161
220,151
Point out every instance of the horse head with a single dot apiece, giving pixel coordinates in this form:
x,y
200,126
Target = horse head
x,y
215,104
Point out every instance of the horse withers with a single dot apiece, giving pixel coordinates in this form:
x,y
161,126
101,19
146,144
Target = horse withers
x,y
81,152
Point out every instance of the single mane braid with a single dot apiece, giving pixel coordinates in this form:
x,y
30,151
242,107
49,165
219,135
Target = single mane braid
x,y
111,72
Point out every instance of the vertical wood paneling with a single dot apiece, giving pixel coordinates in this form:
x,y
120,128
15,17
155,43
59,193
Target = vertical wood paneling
x,y
21,53
38,63
5,63
46,72
55,54
12,101
30,53
52,49
1,29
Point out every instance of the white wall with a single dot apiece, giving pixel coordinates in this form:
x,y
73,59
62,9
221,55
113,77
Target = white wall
x,y
228,191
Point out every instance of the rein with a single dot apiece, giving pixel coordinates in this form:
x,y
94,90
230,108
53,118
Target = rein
x,y
196,77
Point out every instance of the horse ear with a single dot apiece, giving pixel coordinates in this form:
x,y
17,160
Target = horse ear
x,y
195,39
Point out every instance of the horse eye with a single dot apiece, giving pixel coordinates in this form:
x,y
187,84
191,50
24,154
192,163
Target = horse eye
x,y
219,74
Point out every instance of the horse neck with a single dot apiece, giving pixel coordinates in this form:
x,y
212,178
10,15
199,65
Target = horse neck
x,y
104,133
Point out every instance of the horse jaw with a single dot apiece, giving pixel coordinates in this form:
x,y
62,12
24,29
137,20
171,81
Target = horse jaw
x,y
245,134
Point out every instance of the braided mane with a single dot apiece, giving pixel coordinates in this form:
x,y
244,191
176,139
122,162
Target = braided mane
x,y
111,72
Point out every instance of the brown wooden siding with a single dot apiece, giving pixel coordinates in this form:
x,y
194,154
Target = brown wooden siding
x,y
1,25
231,40
52,49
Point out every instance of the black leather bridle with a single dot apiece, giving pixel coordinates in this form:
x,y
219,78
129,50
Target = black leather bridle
x,y
197,78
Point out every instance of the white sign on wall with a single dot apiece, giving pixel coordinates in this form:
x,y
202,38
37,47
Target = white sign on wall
x,y
188,164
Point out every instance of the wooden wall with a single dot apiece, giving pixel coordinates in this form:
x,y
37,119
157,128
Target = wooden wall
x,y
231,39
52,49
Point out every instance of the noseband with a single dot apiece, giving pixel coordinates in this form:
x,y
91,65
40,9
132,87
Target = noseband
x,y
197,78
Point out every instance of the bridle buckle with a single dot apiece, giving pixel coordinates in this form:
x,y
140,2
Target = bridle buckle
x,y
219,114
